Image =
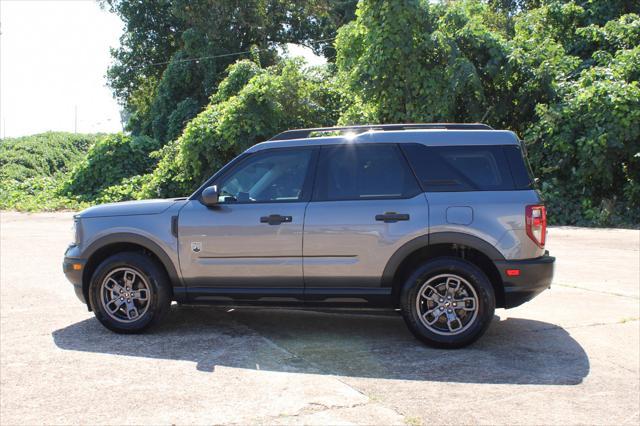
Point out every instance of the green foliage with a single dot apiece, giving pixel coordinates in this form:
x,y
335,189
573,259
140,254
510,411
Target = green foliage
x,y
151,35
563,74
185,111
32,169
128,189
270,100
586,148
415,62
559,74
394,66
45,154
170,177
154,75
108,162
38,193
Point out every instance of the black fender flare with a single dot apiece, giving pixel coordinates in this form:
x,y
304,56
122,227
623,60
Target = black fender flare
x,y
427,240
132,238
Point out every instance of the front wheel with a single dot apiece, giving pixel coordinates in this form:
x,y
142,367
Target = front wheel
x,y
129,292
448,302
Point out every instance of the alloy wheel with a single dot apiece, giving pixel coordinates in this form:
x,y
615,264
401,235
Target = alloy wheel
x,y
447,304
125,295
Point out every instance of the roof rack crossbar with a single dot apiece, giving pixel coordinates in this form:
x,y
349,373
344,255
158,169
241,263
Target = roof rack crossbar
x,y
304,133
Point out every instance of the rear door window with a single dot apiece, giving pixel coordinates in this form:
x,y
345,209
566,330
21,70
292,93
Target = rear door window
x,y
460,168
363,172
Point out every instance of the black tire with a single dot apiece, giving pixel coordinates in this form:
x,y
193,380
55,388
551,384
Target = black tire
x,y
159,297
432,270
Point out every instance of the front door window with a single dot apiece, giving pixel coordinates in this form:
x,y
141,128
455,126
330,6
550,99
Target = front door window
x,y
267,177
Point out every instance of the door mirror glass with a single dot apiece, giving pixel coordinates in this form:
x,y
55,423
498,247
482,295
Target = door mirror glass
x,y
210,196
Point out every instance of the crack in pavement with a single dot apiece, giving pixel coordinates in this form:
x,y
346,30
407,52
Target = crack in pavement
x,y
317,407
628,296
572,327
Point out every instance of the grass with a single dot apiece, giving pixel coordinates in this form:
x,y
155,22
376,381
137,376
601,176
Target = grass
x,y
413,421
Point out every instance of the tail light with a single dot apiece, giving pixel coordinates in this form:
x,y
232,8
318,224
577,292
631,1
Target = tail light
x,y
536,216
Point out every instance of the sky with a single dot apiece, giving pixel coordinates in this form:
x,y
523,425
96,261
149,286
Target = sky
x,y
53,60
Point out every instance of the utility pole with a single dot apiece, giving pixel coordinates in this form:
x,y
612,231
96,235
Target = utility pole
x,y
75,119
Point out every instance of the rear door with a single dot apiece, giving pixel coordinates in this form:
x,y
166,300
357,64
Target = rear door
x,y
249,246
366,204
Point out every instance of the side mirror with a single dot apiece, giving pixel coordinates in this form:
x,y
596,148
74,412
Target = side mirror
x,y
209,196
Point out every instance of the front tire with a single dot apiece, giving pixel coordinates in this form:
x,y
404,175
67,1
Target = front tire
x,y
129,292
448,302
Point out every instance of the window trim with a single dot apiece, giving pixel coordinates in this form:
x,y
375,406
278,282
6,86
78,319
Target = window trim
x,y
243,158
401,155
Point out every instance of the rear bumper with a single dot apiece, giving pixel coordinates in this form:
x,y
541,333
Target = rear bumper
x,y
535,276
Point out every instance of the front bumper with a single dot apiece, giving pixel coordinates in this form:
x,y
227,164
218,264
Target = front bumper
x,y
72,274
535,276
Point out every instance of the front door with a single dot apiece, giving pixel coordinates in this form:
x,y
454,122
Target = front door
x,y
249,246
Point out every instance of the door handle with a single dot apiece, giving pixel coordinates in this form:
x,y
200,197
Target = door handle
x,y
391,217
275,219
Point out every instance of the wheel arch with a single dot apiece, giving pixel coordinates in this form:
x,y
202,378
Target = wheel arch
x,y
108,245
426,247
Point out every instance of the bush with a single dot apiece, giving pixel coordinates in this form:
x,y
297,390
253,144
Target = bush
x,y
110,161
252,105
33,168
562,74
586,148
584,139
127,189
38,193
45,154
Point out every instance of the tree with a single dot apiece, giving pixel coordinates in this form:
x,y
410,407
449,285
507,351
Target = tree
x,y
151,36
562,74
586,145
251,105
414,62
173,54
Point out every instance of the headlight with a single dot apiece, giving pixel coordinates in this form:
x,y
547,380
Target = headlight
x,y
75,234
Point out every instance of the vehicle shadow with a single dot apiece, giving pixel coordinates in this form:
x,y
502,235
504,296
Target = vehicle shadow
x,y
515,350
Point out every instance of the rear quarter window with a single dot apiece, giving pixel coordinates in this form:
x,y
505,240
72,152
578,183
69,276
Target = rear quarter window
x,y
466,168
520,169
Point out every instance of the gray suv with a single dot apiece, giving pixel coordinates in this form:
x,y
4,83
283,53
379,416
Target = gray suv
x,y
438,221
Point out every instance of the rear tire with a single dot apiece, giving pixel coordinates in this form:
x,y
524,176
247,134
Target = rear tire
x,y
448,302
129,292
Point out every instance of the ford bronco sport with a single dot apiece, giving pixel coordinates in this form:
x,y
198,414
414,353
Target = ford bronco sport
x,y
438,221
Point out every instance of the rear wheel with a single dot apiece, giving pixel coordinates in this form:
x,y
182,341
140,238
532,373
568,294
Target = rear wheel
x,y
448,302
129,292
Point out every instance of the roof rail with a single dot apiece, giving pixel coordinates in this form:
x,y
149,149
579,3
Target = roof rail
x,y
304,133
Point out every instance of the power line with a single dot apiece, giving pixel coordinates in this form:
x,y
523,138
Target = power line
x,y
152,64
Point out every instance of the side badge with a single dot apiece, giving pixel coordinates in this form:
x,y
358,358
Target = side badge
x,y
196,246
